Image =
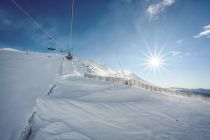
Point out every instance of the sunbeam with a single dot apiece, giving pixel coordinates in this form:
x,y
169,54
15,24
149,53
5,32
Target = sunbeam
x,y
155,62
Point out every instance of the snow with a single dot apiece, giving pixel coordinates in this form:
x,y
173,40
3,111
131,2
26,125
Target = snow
x,y
79,108
9,49
102,110
23,78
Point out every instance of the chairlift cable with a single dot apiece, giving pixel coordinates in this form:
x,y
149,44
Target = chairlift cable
x,y
69,53
31,18
72,18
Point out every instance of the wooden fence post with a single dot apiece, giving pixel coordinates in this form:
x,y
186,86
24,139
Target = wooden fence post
x,y
131,82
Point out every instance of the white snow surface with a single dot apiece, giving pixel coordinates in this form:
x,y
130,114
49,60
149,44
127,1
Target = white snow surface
x,y
9,49
87,109
23,78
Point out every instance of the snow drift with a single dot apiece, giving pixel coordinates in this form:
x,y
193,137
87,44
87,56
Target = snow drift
x,y
69,106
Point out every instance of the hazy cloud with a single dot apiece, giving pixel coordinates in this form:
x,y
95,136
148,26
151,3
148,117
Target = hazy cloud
x,y
6,21
180,54
187,53
204,33
174,53
155,9
180,41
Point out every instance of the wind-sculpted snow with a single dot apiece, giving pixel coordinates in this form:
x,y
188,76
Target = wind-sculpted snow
x,y
23,78
69,106
97,110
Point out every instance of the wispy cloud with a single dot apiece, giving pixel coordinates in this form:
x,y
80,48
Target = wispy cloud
x,y
187,53
180,41
204,33
155,9
180,54
175,53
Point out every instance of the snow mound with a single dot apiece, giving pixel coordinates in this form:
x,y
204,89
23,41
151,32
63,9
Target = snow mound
x,y
9,49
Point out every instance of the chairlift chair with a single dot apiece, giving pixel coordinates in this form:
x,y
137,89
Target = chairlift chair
x,y
51,45
50,48
69,56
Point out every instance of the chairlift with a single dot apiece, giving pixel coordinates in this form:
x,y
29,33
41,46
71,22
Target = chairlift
x,y
69,55
51,45
52,49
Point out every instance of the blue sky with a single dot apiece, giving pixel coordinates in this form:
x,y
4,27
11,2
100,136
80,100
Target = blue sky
x,y
125,31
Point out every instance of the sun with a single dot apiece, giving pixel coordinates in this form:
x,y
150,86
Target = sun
x,y
155,62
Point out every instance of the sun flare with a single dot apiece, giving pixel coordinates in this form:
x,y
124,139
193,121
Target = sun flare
x,y
155,62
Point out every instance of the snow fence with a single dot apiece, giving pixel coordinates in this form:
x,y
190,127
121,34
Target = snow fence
x,y
131,82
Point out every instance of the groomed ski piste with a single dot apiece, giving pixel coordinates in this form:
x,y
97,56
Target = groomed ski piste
x,y
48,98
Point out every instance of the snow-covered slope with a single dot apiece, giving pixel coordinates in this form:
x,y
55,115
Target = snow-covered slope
x,y
81,108
88,109
23,78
